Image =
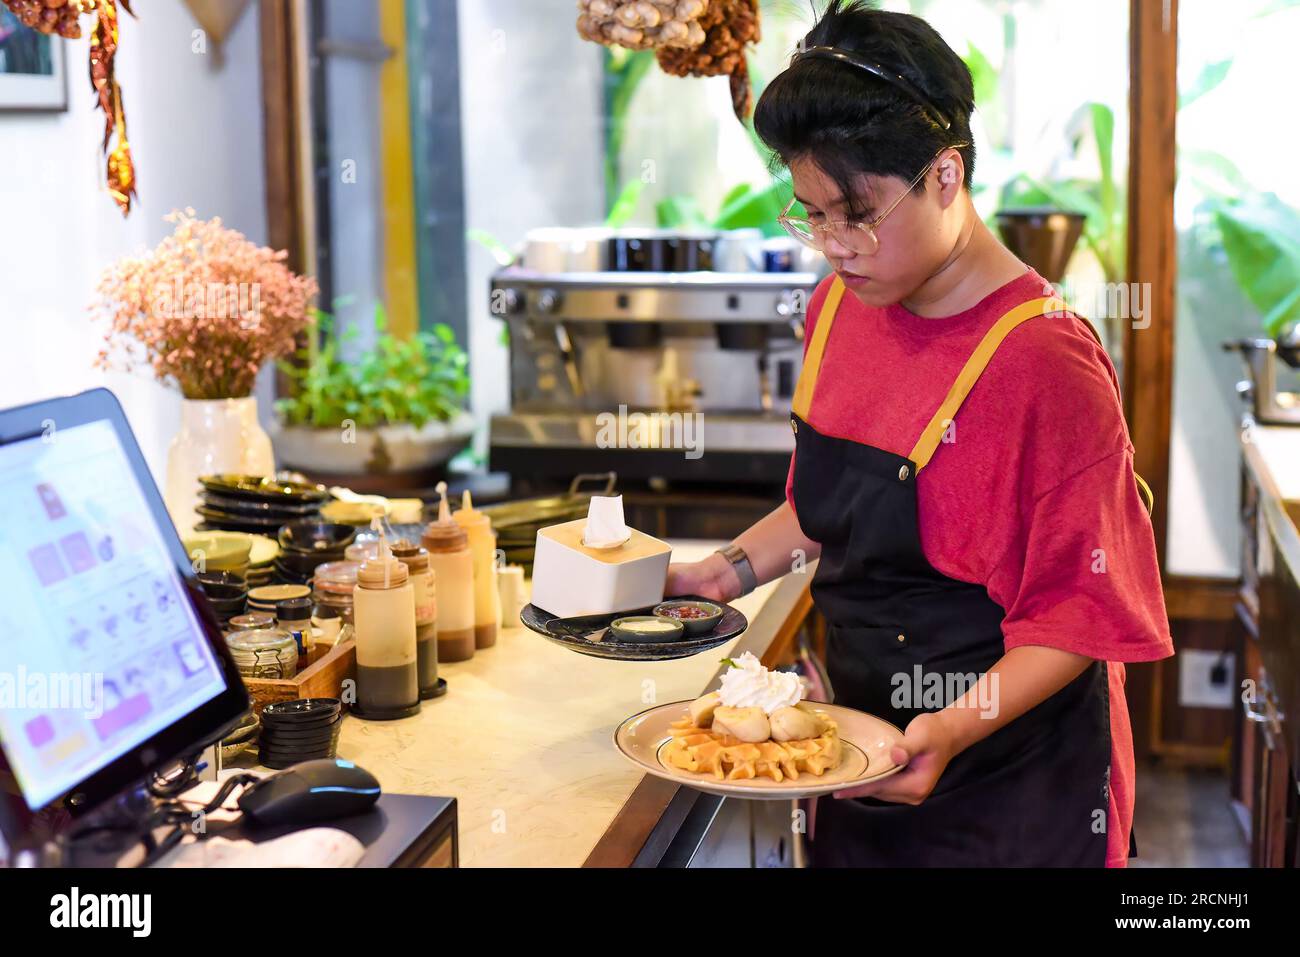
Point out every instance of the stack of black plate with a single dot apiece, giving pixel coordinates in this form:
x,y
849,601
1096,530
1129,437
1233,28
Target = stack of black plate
x,y
308,543
249,503
302,730
226,592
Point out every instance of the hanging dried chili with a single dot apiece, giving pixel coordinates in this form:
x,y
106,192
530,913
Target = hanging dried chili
x,y
61,17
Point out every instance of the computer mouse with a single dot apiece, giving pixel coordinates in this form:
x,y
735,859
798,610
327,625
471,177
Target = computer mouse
x,y
312,791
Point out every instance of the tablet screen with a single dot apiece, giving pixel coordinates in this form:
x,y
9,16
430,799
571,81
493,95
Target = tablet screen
x,y
100,649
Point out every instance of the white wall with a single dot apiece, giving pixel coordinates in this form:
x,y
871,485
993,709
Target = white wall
x,y
530,93
196,135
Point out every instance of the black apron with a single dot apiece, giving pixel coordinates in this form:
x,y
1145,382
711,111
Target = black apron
x,y
1035,792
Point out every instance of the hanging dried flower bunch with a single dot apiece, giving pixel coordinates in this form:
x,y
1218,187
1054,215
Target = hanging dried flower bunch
x,y
61,17
642,24
689,37
729,26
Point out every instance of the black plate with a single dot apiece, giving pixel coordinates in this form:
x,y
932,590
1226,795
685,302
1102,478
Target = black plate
x,y
278,762
568,632
248,506
293,734
259,489
301,709
226,521
271,743
269,747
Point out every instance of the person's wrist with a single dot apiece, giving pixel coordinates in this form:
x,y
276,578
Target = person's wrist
x,y
951,729
725,576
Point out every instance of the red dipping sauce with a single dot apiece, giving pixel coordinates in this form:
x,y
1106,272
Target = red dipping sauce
x,y
686,611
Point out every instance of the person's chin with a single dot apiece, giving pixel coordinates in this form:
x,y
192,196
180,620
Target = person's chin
x,y
867,290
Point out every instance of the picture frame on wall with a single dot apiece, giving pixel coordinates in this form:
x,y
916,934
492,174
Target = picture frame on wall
x,y
33,68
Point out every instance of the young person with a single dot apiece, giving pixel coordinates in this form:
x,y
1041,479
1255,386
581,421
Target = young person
x,y
963,471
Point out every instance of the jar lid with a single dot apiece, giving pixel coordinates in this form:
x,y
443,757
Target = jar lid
x,y
293,609
252,621
359,551
442,537
261,639
415,558
343,573
381,574
270,594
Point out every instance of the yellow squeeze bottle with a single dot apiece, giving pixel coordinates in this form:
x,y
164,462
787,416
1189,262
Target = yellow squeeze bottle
x,y
483,548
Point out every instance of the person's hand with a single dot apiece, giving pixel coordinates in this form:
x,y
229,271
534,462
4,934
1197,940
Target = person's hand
x,y
711,578
925,750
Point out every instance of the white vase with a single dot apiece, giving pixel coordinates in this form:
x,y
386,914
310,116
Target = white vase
x,y
217,435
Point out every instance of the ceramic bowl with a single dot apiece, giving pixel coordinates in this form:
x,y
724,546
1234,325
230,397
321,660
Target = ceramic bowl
x,y
694,626
627,629
223,586
310,537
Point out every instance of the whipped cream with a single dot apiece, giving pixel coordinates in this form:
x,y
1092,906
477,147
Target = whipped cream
x,y
747,684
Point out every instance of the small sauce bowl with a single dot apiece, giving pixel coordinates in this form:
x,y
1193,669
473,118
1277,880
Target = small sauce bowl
x,y
646,628
697,617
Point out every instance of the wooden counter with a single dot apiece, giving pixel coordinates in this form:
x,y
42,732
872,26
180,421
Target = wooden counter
x,y
523,739
1266,761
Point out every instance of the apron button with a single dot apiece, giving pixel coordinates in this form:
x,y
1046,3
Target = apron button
x,y
794,426
901,638
903,472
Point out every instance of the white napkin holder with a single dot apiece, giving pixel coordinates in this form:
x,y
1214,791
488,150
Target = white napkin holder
x,y
571,579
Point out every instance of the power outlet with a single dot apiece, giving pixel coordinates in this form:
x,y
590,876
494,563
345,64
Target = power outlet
x,y
1206,679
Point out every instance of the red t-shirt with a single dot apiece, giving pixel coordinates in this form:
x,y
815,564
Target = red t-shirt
x,y
1031,493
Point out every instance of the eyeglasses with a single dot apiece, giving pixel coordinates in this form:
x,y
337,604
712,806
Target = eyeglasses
x,y
857,235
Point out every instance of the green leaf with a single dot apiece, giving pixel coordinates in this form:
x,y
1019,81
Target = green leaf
x,y
755,208
1211,75
395,380
499,250
679,212
625,206
1103,130
1216,165
984,76
1261,239
624,71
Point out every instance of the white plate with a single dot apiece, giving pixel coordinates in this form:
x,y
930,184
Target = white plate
x,y
867,741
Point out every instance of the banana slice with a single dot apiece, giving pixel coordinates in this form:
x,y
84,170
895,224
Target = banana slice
x,y
747,724
793,724
702,709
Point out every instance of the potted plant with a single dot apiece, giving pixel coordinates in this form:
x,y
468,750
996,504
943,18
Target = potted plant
x,y
395,408
204,311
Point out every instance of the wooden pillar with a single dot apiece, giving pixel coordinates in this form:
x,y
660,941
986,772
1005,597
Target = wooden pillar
x,y
1152,254
280,122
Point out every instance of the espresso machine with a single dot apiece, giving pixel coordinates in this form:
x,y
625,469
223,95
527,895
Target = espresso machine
x,y
668,357
1272,391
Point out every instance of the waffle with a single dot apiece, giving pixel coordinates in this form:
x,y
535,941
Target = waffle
x,y
729,759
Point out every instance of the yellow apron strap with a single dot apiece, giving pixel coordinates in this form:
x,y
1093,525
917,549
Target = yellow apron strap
x,y
933,434
812,360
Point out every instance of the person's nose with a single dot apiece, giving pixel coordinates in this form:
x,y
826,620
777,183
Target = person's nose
x,y
834,249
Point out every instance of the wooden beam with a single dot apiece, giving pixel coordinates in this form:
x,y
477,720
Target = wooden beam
x,y
1148,360
279,57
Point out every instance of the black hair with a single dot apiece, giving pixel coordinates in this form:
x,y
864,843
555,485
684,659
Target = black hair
x,y
851,122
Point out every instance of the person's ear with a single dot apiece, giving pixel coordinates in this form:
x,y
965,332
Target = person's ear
x,y
952,172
